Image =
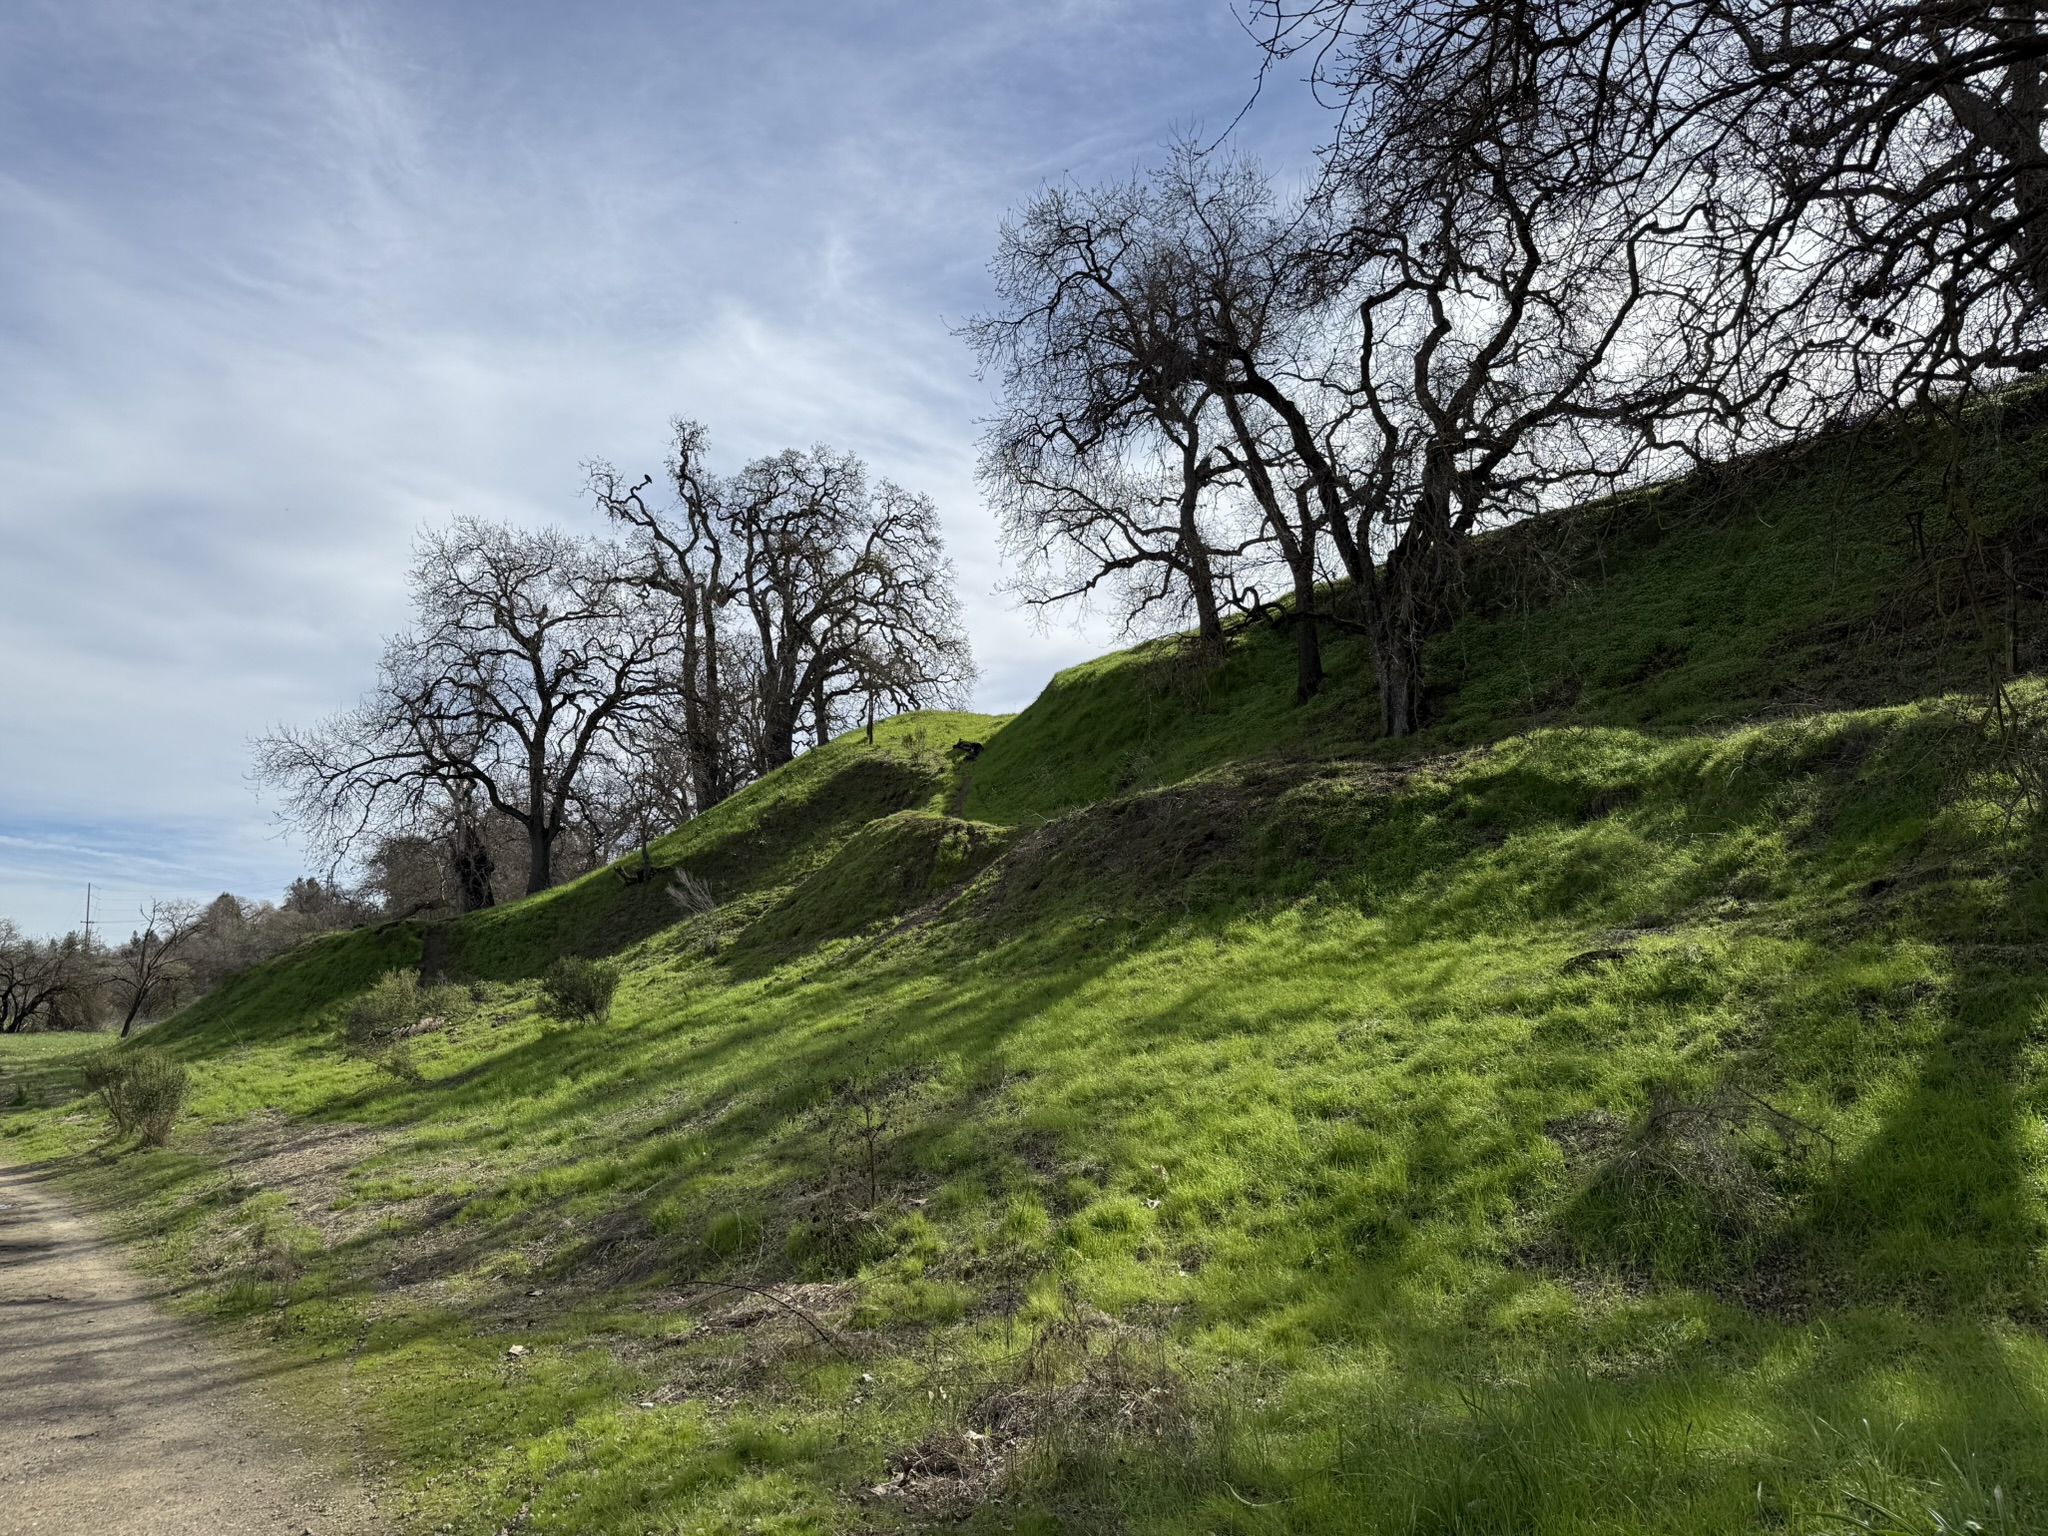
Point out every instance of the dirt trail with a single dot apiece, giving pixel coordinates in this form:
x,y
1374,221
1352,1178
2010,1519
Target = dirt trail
x,y
118,1420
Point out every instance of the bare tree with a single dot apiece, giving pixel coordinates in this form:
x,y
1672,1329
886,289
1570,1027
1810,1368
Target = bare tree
x,y
532,651
684,554
39,976
148,968
848,594
1099,462
814,594
379,784
1447,335
1875,169
1477,313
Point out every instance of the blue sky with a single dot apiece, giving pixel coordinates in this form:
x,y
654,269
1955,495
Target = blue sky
x,y
281,281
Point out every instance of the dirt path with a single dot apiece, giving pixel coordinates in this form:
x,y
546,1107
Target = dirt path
x,y
118,1420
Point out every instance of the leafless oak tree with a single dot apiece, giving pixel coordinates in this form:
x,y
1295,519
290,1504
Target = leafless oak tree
x,y
1442,337
848,594
147,969
683,551
1875,169
1100,463
815,595
38,976
531,651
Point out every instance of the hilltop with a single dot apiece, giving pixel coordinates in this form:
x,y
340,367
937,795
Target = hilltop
x,y
1619,1108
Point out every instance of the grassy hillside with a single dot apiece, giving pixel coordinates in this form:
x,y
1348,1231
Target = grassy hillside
x,y
1866,569
1621,1110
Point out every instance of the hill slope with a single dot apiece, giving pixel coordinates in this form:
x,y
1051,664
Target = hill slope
x,y
1193,1116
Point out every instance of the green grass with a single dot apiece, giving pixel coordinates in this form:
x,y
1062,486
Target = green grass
x,y
1601,1115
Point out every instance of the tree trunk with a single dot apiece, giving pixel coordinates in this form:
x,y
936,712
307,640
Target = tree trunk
x,y
778,729
1297,548
704,714
540,849
1418,599
473,869
137,997
1194,552
1397,654
1208,618
1308,644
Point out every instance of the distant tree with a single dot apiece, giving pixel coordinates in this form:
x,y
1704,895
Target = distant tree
x,y
815,594
231,936
148,969
850,594
642,789
320,903
684,553
39,977
407,873
531,651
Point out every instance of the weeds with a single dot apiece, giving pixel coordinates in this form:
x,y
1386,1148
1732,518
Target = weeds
x,y
1892,1502
399,1059
143,1089
1686,1193
693,898
576,988
862,1113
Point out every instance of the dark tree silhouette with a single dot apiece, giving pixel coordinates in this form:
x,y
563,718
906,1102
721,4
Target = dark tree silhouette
x,y
812,595
148,968
532,651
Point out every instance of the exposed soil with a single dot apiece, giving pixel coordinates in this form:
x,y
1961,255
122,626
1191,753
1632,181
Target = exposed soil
x,y
119,1420
309,1165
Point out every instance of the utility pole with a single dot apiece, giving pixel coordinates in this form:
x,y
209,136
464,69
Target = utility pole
x,y
88,914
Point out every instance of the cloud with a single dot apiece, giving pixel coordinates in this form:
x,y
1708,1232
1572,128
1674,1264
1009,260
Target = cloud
x,y
280,283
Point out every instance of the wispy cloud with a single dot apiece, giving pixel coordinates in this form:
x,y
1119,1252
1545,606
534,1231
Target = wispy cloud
x,y
279,283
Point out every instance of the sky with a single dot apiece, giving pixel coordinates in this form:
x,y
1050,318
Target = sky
x,y
283,282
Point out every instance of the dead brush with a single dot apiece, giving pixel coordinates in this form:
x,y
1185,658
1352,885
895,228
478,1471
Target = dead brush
x,y
858,1120
1182,671
1054,1420
1086,1377
694,899
1687,1191
380,1024
2013,731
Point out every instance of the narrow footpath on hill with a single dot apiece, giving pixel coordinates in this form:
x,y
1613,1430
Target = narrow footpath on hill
x,y
119,1420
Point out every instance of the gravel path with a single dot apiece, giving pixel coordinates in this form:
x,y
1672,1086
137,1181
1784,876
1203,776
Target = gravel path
x,y
118,1420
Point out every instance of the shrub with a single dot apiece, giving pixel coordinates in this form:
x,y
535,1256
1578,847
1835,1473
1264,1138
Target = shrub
x,y
400,1062
380,1022
143,1090
386,1013
575,988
